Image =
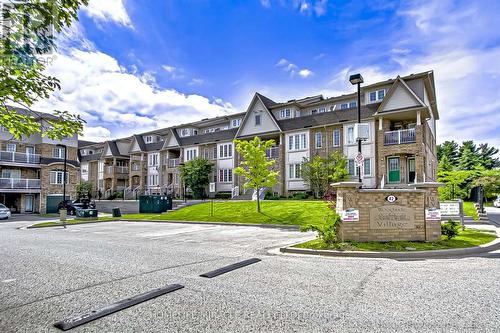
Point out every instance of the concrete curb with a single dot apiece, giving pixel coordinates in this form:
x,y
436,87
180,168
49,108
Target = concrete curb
x,y
451,253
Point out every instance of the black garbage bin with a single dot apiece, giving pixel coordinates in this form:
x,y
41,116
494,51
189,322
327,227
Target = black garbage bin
x,y
116,212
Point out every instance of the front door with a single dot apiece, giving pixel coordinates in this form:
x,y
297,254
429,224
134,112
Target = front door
x,y
394,169
29,200
411,170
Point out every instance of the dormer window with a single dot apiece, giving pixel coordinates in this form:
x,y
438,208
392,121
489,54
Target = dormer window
x,y
236,122
377,95
184,132
149,139
321,110
285,113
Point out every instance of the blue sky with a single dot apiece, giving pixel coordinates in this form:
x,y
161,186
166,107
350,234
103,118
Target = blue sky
x,y
132,65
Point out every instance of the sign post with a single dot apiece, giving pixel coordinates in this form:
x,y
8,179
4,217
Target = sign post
x,y
211,189
453,209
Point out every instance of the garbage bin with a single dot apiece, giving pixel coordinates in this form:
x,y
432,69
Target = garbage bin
x,y
116,212
154,203
86,214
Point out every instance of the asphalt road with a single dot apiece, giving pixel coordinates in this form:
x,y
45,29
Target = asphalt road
x,y
493,215
51,274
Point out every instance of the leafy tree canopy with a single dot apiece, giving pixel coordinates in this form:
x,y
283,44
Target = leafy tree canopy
x,y
28,37
468,156
320,172
196,175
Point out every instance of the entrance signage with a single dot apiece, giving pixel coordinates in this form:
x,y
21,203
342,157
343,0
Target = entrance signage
x,y
392,217
211,187
350,215
450,208
432,214
391,198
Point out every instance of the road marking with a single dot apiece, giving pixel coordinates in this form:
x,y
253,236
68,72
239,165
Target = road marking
x,y
230,268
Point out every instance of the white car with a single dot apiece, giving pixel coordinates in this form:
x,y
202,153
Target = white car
x,y
4,212
496,203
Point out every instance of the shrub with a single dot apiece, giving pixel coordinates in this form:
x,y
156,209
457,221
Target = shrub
x,y
450,229
118,194
328,231
300,195
223,195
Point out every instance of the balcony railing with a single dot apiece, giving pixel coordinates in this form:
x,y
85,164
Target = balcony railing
x,y
11,156
273,153
174,162
110,169
19,184
399,137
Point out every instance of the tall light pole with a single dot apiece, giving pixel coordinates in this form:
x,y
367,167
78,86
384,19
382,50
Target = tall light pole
x,y
357,79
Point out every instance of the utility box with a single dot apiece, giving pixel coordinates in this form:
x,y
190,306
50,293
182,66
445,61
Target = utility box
x,y
154,203
361,131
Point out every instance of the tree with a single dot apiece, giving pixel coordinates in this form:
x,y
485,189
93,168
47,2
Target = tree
x,y
196,175
486,156
448,149
490,181
445,164
256,168
84,190
468,158
27,36
320,172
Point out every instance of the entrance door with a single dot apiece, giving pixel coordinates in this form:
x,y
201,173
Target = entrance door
x,y
394,169
29,201
411,170
30,154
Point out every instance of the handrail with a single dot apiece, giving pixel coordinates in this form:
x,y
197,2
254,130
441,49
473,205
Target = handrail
x,y
235,191
12,156
400,136
19,183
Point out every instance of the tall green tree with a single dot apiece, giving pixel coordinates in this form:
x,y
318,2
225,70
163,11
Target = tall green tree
x,y
320,172
487,157
448,149
255,167
490,181
196,175
29,34
84,190
468,158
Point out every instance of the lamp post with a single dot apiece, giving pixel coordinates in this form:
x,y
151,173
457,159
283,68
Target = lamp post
x,y
357,79
64,172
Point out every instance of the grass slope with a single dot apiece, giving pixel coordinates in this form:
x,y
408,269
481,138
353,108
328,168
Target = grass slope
x,y
466,238
272,212
470,210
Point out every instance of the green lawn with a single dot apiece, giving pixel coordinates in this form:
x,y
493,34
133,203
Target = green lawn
x,y
470,210
466,238
293,212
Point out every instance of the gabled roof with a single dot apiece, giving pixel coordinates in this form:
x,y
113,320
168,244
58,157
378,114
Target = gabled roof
x,y
84,143
399,82
267,104
206,138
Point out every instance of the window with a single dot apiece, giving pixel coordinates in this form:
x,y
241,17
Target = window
x,y
225,175
11,147
351,168
184,132
100,167
285,113
314,111
149,139
57,177
367,167
321,110
319,139
153,159
226,150
11,173
58,152
350,135
344,106
336,138
257,120
294,171
236,122
297,141
352,104
191,154
377,95
153,180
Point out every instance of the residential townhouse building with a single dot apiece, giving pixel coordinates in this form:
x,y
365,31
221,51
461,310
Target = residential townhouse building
x,y
400,116
32,169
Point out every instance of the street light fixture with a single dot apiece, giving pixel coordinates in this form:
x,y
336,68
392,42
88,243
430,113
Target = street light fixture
x,y
357,79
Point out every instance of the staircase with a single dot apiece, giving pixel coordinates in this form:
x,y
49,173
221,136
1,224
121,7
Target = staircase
x,y
482,215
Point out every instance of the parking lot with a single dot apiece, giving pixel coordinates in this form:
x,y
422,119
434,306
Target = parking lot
x,y
51,274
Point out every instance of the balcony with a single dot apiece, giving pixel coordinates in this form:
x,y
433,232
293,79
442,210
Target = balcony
x,y
19,184
399,137
273,153
135,167
110,169
174,162
13,157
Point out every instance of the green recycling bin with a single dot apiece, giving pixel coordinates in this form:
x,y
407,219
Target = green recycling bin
x,y
86,213
154,203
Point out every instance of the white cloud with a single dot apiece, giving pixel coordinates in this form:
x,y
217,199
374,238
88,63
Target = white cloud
x,y
320,7
108,11
95,86
169,69
196,82
96,134
304,7
265,3
305,73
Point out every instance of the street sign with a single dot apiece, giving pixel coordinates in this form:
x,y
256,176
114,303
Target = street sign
x,y
211,188
450,208
359,160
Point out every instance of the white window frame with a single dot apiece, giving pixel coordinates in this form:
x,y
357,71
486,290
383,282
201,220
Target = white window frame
x,y
236,122
353,104
344,106
56,177
286,113
153,159
377,95
259,118
11,147
225,175
297,142
191,154
369,160
149,139
318,138
294,171
225,150
322,110
336,137
349,129
59,154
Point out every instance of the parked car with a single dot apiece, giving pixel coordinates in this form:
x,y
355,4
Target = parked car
x,y
73,205
496,203
4,212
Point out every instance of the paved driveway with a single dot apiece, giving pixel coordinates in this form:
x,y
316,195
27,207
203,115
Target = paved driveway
x,y
51,274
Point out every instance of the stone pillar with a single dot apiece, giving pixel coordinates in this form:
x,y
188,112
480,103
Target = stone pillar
x,y
432,227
